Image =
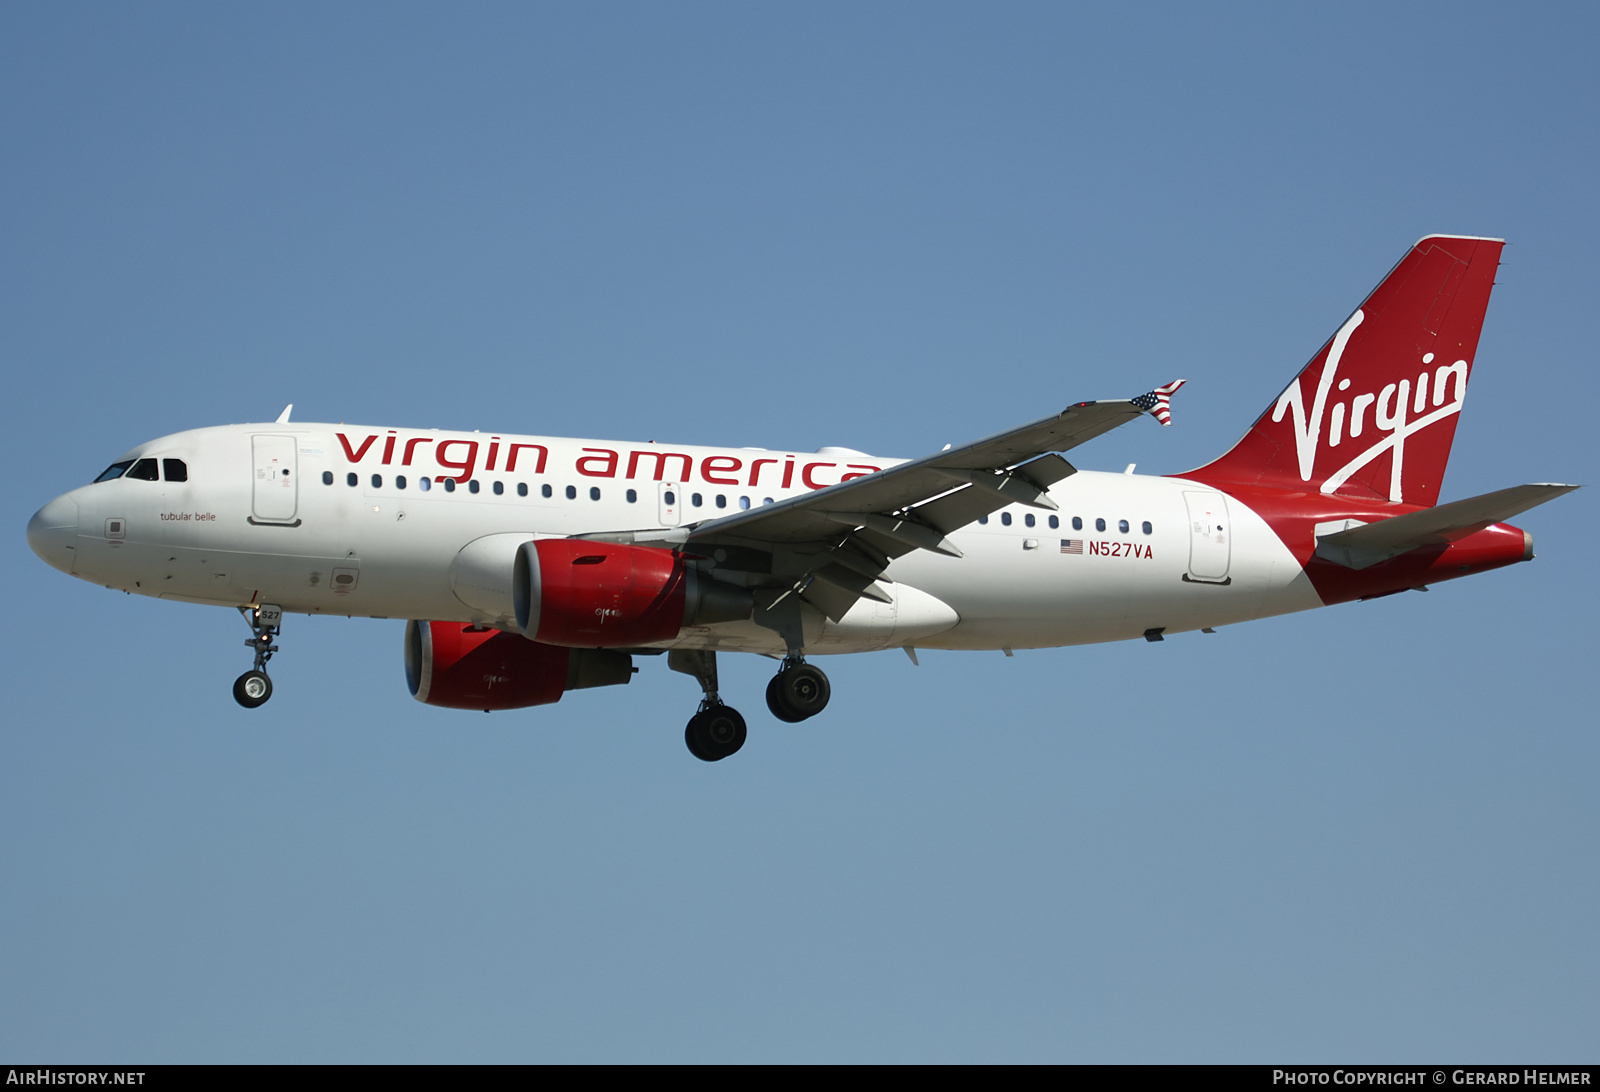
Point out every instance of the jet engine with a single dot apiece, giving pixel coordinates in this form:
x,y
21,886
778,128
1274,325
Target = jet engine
x,y
452,664
587,594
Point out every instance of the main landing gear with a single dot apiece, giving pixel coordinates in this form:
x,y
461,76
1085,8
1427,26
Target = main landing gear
x,y
717,730
797,692
253,688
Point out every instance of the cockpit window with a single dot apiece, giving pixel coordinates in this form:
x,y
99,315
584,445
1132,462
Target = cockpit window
x,y
145,471
174,470
115,470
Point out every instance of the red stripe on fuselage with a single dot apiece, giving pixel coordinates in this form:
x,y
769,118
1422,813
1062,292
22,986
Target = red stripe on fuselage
x,y
1293,517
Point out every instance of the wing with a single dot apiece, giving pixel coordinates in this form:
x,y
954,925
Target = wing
x,y
830,547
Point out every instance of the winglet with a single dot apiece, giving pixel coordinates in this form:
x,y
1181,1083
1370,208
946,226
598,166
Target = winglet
x,y
1158,403
283,418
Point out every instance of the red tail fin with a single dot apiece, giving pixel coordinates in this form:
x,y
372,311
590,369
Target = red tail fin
x,y
1374,413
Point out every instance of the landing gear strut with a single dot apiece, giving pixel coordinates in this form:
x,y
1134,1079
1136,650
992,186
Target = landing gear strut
x,y
253,688
798,691
717,730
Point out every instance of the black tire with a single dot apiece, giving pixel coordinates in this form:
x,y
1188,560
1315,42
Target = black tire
x,y
802,691
776,706
252,689
692,741
715,733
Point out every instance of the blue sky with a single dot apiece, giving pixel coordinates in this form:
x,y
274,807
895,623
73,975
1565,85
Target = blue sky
x,y
1361,833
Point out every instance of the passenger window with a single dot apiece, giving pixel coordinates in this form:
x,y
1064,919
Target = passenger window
x,y
766,500
499,489
1055,522
1145,527
744,503
633,496
670,497
174,470
696,500
144,470
377,481
572,492
1005,518
424,483
1028,519
546,492
722,500
594,492
115,470
399,481
1099,525
449,485
522,489
327,476
472,486
1122,525
350,479
983,520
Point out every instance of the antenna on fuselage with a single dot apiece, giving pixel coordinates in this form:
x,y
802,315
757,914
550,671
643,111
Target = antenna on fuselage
x,y
283,418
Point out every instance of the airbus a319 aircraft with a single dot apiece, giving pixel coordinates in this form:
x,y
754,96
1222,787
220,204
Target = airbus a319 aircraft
x,y
531,565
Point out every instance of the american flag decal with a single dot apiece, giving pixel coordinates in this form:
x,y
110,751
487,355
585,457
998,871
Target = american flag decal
x,y
1158,403
1072,545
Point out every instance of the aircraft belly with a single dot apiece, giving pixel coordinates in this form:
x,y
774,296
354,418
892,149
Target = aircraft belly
x,y
911,615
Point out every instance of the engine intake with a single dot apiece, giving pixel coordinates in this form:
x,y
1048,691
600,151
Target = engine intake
x,y
459,667
586,594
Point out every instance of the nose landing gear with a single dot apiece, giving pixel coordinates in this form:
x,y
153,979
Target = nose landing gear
x,y
253,688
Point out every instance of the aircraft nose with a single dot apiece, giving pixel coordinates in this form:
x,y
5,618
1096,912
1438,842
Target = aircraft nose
x,y
53,532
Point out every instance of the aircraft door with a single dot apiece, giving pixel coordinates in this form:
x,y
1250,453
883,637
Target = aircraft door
x,y
670,508
1210,538
276,495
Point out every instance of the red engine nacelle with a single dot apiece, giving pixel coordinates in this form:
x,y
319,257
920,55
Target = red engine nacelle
x,y
586,594
454,665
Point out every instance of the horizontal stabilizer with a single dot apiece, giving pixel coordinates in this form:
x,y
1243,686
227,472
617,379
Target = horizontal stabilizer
x,y
1359,546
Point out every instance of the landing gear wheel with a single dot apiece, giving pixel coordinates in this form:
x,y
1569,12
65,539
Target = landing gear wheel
x,y
691,740
798,692
714,733
775,703
251,689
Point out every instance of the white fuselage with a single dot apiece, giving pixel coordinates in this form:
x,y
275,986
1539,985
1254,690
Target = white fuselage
x,y
350,529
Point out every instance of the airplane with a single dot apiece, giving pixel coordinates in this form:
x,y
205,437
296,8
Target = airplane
x,y
529,565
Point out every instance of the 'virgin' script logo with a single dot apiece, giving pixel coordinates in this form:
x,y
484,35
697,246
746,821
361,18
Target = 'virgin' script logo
x,y
1389,409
